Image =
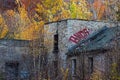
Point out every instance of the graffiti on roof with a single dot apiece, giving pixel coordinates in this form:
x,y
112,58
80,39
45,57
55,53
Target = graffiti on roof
x,y
80,35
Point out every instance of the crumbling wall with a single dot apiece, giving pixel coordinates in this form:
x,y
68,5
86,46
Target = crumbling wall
x,y
10,53
66,29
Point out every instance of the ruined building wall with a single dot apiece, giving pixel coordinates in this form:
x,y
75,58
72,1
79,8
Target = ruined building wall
x,y
13,53
66,28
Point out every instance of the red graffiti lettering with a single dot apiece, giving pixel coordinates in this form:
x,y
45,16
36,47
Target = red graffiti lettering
x,y
79,35
73,39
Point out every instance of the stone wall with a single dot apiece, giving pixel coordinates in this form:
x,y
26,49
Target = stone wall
x,y
66,28
83,68
13,51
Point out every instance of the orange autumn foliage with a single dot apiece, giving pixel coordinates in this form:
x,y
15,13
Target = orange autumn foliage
x,y
26,3
48,10
20,24
99,7
30,6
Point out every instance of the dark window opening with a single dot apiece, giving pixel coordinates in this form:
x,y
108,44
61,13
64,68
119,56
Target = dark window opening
x,y
55,43
11,70
91,64
55,64
74,66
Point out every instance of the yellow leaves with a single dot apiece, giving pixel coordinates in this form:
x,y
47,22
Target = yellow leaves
x,y
39,8
65,73
4,31
51,10
1,20
31,32
48,2
48,10
65,14
18,24
79,9
114,72
23,13
73,10
3,27
97,75
10,13
27,34
42,12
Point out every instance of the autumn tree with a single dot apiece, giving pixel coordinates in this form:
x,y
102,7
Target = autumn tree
x,y
3,27
52,10
18,25
79,9
13,17
97,7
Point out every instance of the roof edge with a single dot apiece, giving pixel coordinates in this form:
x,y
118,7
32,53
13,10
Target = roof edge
x,y
79,20
14,39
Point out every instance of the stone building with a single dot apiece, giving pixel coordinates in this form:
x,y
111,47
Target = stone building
x,y
95,55
14,59
60,36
